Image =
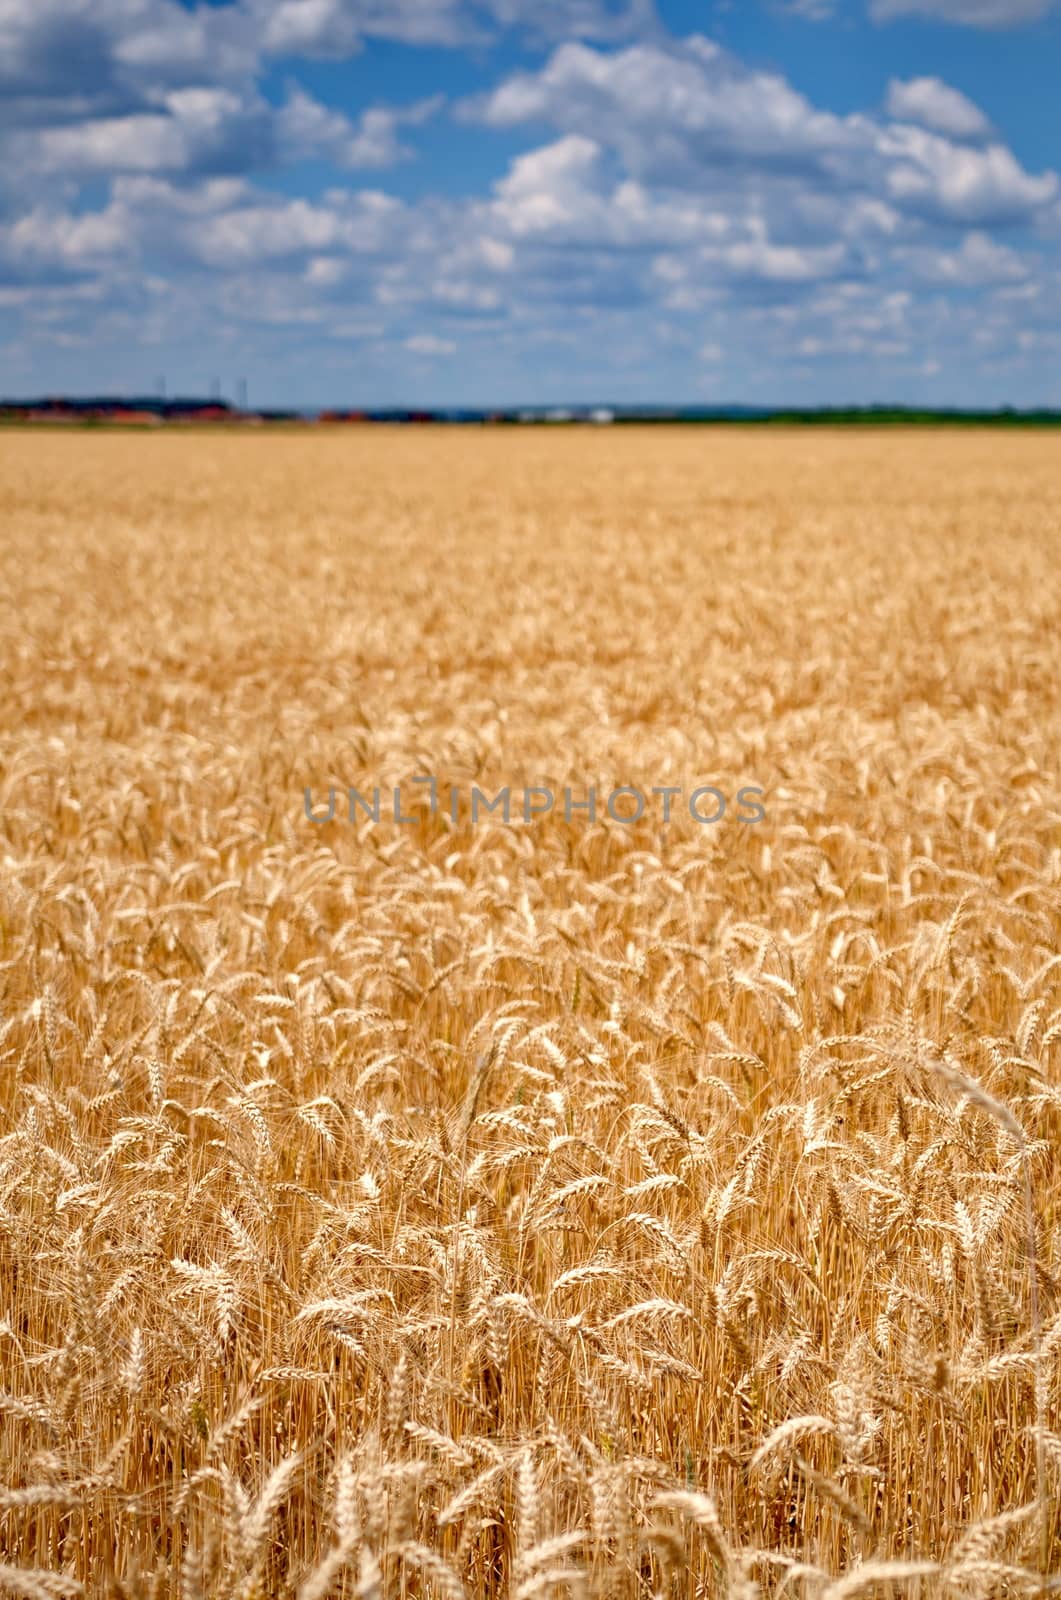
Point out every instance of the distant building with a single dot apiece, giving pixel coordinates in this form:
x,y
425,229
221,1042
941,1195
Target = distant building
x,y
140,419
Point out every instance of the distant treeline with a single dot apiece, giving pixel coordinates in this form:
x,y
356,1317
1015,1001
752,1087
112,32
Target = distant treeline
x,y
130,410
840,415
153,411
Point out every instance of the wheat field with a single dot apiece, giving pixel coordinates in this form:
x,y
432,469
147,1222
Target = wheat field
x,y
570,1207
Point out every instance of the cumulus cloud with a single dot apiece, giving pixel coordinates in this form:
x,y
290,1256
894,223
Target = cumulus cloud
x,y
63,59
669,108
367,223
98,87
664,196
336,28
60,239
758,258
202,130
979,260
934,104
690,113
549,188
102,87
929,174
306,128
59,58
207,129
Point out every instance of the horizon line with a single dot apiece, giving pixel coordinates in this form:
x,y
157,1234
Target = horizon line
x,y
547,411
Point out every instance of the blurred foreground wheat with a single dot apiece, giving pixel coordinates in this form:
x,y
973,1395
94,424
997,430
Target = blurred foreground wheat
x,y
562,1209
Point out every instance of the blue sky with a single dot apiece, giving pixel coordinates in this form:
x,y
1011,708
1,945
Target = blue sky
x,y
385,202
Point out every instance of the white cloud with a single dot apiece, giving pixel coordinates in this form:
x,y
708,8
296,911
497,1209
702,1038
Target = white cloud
x,y
866,215
935,104
194,129
306,128
337,28
366,224
148,143
549,187
375,142
309,27
207,197
309,128
210,129
980,260
567,194
495,253
972,13
61,58
777,263
930,174
255,233
669,184
692,116
72,240
325,271
665,108
160,38
426,344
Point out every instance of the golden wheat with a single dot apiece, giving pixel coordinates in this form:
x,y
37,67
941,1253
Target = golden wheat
x,y
573,1207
